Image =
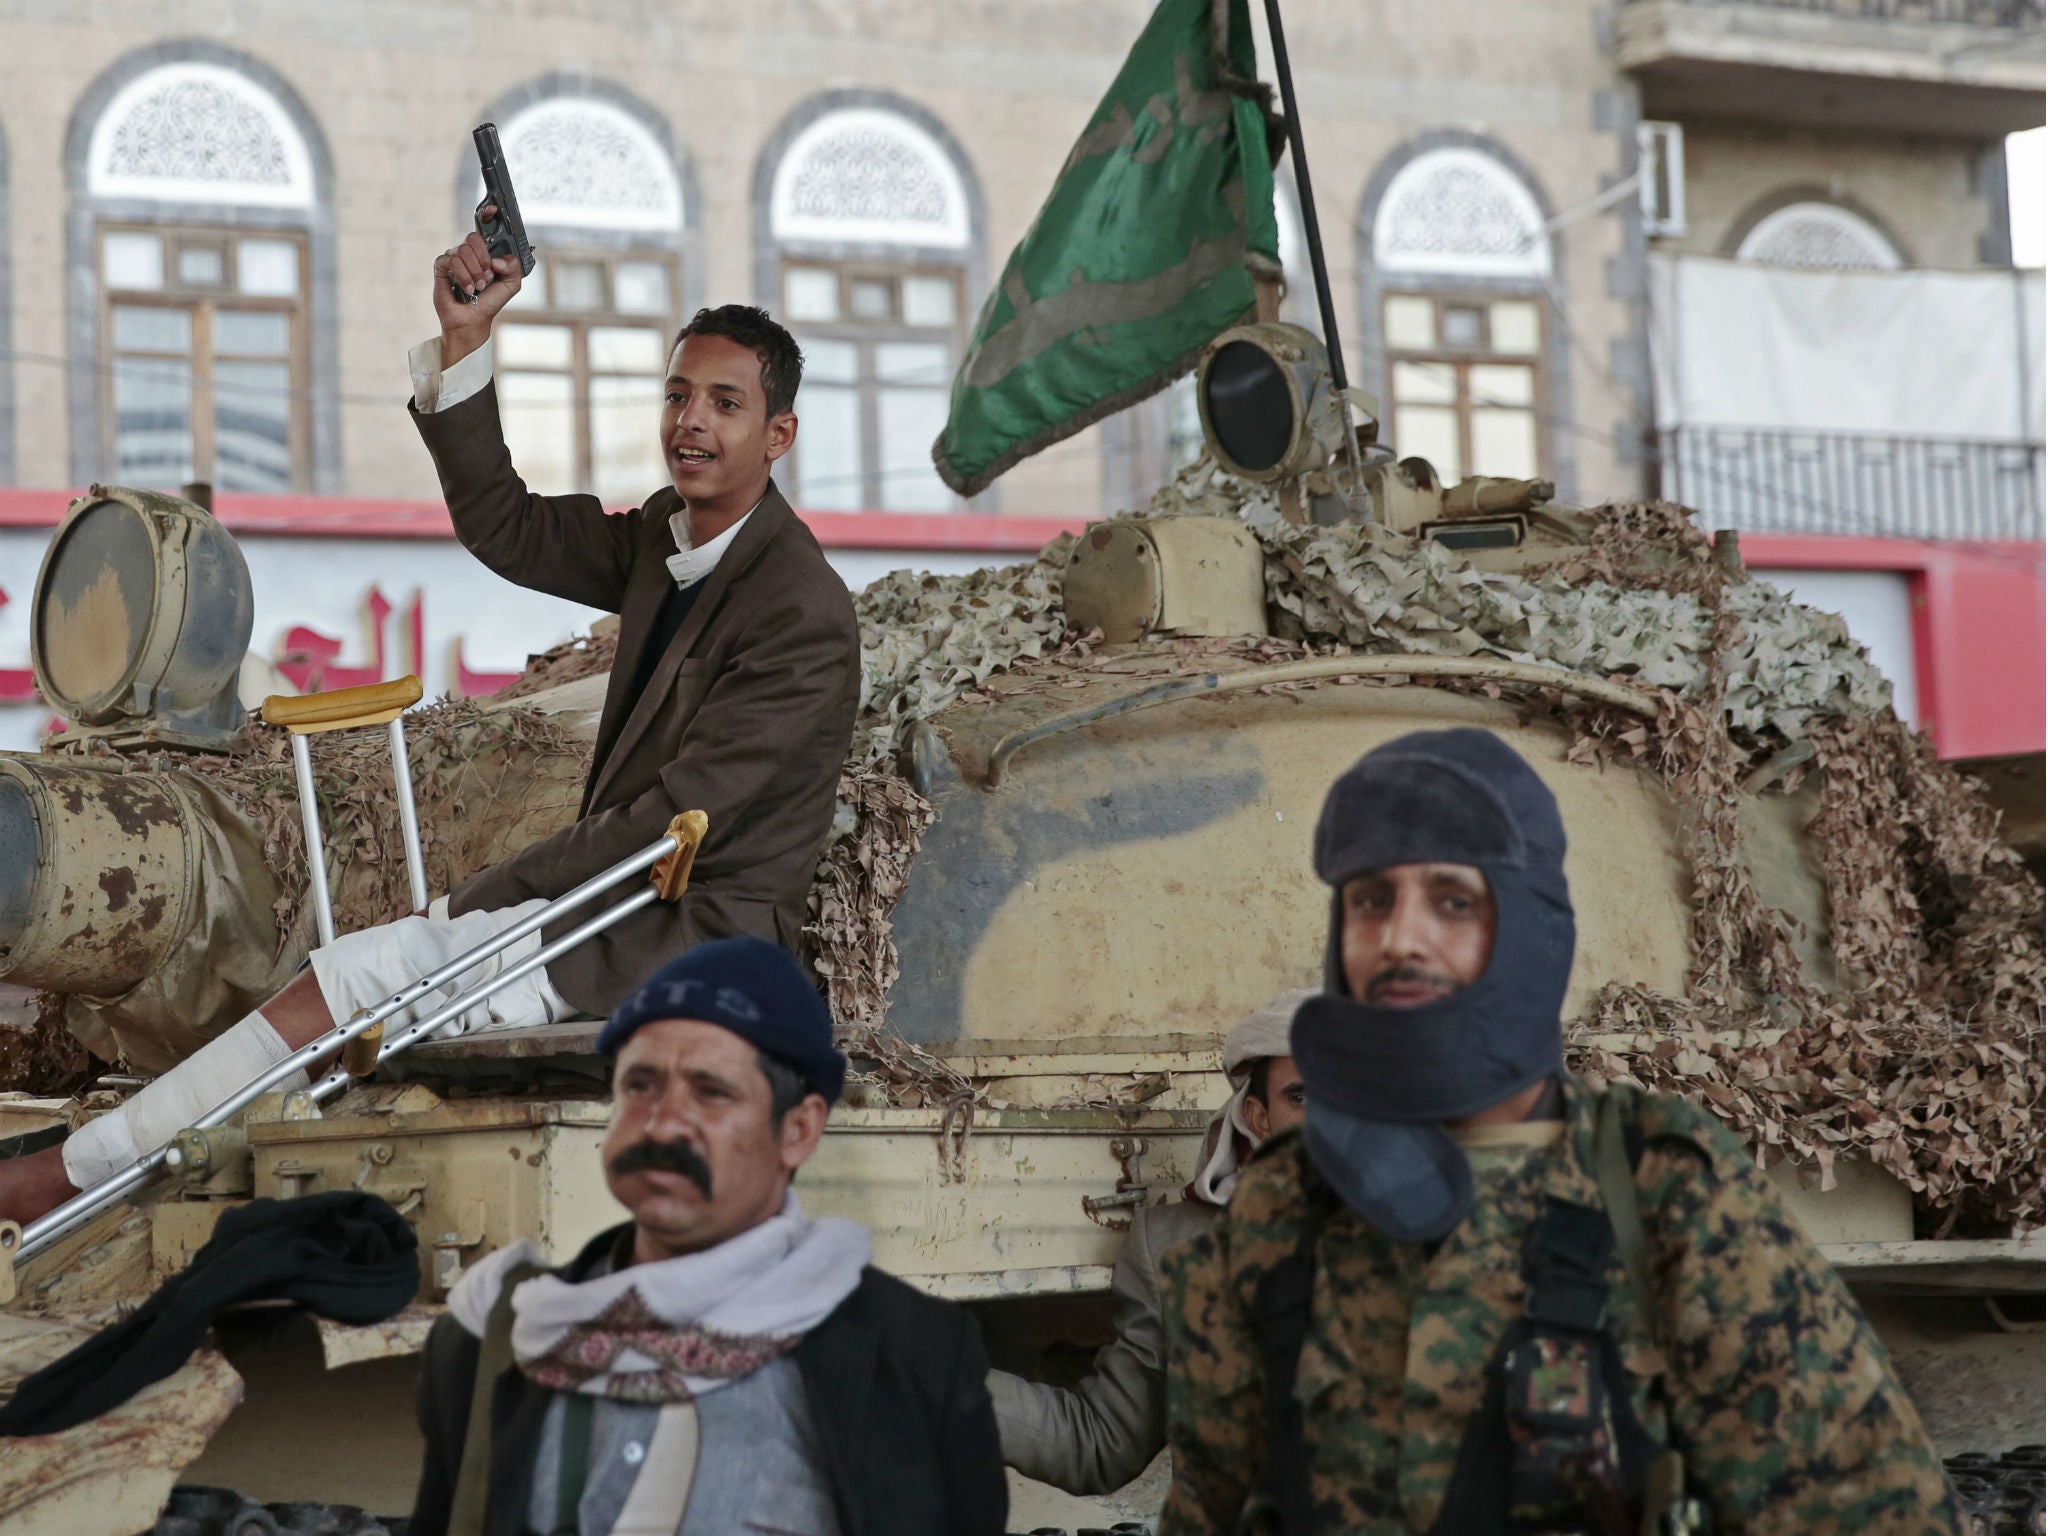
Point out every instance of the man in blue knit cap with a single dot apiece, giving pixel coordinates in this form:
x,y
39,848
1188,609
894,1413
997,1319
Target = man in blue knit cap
x,y
721,1362
1475,1297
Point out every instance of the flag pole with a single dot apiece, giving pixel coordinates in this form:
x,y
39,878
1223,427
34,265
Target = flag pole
x,y
1312,228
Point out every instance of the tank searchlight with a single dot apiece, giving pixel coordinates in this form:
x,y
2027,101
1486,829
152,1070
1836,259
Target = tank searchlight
x,y
141,618
1270,410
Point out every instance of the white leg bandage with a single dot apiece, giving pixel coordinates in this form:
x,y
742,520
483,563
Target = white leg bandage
x,y
361,969
103,1147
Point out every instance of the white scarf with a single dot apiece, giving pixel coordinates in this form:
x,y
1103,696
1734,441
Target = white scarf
x,y
675,1329
1225,1145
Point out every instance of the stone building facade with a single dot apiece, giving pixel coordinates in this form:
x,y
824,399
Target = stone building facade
x,y
216,218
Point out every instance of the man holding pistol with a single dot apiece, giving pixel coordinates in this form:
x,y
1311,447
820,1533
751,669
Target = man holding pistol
x,y
1474,1296
733,692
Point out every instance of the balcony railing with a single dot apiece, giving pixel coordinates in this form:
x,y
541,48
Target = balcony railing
x,y
2017,15
1770,480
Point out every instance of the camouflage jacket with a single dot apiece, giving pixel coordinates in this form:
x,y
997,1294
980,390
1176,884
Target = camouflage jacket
x,y
1753,1359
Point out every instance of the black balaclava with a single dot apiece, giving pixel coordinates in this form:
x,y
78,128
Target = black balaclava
x,y
1382,1081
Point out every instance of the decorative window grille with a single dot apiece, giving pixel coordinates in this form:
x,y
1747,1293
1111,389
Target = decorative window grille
x,y
198,133
1819,235
582,163
864,175
203,324
1460,212
1460,248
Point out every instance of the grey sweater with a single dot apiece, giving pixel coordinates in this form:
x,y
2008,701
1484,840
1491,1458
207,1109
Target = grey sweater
x,y
1097,1436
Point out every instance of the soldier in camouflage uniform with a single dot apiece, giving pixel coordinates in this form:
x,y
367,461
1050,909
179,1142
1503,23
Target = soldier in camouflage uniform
x,y
1474,1295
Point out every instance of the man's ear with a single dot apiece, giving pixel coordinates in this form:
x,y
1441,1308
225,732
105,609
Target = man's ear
x,y
802,1129
781,435
1255,1117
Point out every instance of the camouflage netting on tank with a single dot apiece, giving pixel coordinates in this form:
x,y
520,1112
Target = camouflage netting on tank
x,y
926,639
452,743
1929,1063
1379,591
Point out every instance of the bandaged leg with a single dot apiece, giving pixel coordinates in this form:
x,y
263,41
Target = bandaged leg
x,y
359,970
103,1147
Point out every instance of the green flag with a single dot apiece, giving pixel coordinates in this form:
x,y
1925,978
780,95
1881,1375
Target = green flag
x,y
1143,252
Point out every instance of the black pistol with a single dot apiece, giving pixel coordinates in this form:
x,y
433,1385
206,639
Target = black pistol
x,y
504,232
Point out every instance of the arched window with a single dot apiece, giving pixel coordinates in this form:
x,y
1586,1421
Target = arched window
x,y
580,355
1820,235
199,200
873,239
1459,261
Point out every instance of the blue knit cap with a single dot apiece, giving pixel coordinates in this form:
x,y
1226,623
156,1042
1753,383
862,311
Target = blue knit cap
x,y
751,987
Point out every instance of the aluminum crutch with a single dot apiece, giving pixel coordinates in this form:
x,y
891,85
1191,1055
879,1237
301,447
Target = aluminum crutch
x,y
348,709
670,858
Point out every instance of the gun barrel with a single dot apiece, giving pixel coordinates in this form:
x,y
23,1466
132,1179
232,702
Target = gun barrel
x,y
486,137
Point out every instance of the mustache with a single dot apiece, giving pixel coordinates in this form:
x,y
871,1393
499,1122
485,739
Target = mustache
x,y
665,1157
1394,975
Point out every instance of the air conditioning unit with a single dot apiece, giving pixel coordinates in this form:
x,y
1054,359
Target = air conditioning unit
x,y
1660,163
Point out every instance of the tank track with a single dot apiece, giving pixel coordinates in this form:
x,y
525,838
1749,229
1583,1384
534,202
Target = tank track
x,y
2005,1495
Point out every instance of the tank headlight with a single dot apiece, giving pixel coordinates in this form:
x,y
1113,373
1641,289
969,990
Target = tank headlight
x,y
1269,409
141,619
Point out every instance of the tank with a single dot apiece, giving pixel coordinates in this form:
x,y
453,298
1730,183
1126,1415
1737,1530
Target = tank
x,y
1072,850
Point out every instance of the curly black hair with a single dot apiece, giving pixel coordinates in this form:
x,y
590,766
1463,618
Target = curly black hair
x,y
782,364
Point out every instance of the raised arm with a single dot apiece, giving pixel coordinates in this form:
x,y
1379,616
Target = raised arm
x,y
567,546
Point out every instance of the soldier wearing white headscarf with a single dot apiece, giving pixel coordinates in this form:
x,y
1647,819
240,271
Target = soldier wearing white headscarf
x,y
1097,1436
1250,1052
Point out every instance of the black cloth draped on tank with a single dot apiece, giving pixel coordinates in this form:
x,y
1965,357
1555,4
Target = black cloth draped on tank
x,y
347,1256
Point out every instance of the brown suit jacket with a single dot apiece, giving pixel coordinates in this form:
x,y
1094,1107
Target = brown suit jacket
x,y
747,715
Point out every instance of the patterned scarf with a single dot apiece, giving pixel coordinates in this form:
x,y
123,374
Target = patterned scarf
x,y
671,1331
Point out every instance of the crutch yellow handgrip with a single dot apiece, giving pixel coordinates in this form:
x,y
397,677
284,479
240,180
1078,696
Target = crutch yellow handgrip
x,y
671,877
342,709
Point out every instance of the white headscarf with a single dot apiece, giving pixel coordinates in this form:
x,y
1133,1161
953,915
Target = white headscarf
x,y
1229,1139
